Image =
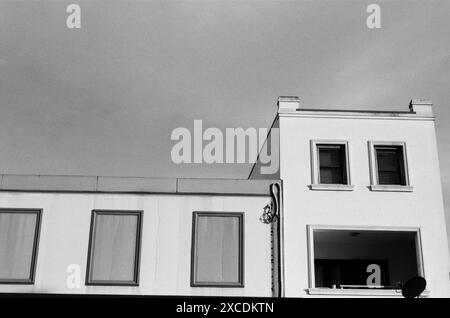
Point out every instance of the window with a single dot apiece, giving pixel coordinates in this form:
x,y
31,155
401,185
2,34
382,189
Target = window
x,y
346,273
217,249
389,171
363,258
19,236
330,165
114,248
390,165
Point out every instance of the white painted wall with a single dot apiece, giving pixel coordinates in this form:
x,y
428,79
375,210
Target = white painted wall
x,y
421,208
166,241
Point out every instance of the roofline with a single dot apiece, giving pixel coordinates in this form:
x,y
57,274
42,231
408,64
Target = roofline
x,y
356,114
264,144
356,110
133,185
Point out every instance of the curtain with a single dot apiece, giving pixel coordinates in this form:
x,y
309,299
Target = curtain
x,y
17,233
217,252
114,247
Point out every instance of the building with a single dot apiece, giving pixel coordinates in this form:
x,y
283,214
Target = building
x,y
354,209
360,188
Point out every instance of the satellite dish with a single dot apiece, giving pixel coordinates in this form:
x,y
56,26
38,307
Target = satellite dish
x,y
414,287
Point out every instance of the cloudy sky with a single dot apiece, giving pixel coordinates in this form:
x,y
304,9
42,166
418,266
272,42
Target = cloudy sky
x,y
103,99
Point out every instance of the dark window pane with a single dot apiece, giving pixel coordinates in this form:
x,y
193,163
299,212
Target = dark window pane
x,y
342,257
332,164
390,165
388,160
329,272
387,177
330,157
331,176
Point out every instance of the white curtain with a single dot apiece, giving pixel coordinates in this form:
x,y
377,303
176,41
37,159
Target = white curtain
x,y
17,232
114,247
217,252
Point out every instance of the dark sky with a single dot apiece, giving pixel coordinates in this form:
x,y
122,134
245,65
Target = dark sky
x,y
103,100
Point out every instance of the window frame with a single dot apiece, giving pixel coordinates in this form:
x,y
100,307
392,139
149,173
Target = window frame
x,y
315,166
373,167
195,216
34,256
135,282
311,257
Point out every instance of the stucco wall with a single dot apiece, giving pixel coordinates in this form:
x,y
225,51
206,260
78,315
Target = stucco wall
x,y
166,241
421,208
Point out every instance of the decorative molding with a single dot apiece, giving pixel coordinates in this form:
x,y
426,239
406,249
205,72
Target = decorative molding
x,y
350,114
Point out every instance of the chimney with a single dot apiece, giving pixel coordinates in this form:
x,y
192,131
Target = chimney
x,y
288,103
421,106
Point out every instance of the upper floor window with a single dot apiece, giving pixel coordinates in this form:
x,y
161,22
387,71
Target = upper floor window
x,y
330,165
114,248
217,249
19,235
389,166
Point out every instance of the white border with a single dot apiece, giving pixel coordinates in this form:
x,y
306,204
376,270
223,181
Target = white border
x,y
315,185
374,186
310,232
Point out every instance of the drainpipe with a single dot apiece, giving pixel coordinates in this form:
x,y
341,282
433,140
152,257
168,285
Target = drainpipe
x,y
280,240
274,216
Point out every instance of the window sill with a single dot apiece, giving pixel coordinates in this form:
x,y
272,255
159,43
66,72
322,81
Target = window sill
x,y
217,286
16,282
331,187
390,188
371,292
112,283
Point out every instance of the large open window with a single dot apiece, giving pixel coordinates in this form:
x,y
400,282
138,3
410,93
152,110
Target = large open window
x,y
355,258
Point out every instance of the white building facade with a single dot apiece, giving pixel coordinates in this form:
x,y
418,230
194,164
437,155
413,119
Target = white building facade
x,y
134,236
356,209
363,209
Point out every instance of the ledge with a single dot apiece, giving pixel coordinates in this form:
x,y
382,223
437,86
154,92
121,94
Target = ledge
x,y
331,187
370,292
355,114
390,188
224,186
107,184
